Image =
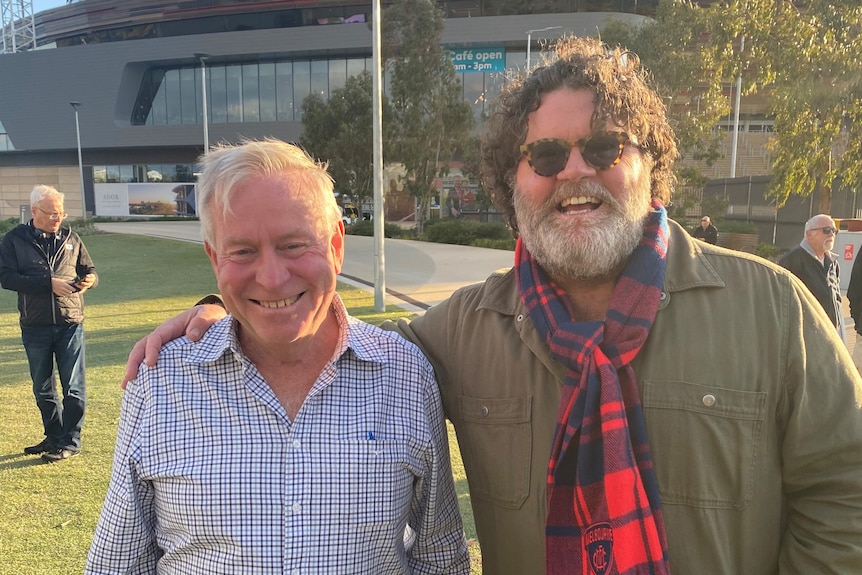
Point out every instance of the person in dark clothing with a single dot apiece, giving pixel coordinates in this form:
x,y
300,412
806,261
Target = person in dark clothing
x,y
813,262
854,295
706,231
48,265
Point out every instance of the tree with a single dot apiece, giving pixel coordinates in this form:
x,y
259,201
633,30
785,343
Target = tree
x,y
428,119
813,77
687,74
803,58
339,131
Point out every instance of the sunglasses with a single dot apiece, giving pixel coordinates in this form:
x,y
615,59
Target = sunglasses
x,y
827,230
549,156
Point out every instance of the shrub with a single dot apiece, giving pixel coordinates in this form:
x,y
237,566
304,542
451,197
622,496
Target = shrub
x,y
508,244
736,227
366,228
6,225
83,227
768,251
465,232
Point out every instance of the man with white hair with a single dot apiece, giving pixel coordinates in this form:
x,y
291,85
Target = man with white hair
x,y
50,268
294,438
816,265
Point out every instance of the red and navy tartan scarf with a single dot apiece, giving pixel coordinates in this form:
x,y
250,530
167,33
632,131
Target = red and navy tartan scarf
x,y
604,513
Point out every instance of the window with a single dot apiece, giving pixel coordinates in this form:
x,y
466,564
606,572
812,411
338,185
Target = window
x,y
189,96
284,91
267,92
233,79
250,93
301,86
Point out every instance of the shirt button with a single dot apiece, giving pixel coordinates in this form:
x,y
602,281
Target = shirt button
x,y
294,572
708,400
296,443
296,507
485,411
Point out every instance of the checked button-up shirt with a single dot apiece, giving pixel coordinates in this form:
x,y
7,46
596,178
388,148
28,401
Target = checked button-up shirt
x,y
211,476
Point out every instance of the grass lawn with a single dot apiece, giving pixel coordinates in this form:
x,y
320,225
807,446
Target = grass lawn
x,y
48,512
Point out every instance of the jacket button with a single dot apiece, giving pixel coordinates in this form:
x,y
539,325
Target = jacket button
x,y
520,317
708,400
485,411
662,296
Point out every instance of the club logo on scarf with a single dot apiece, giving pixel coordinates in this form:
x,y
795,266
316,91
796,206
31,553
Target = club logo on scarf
x,y
599,543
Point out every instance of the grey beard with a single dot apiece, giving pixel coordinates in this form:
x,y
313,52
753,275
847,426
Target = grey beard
x,y
564,253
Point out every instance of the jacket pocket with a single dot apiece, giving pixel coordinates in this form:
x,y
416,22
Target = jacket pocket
x,y
496,432
705,441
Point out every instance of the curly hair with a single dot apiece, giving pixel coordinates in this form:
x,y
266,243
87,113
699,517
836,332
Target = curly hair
x,y
622,95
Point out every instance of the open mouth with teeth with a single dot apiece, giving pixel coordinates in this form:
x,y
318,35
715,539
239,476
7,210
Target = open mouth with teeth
x,y
276,303
579,204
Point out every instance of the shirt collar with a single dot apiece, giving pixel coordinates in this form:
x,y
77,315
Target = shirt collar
x,y
827,255
221,338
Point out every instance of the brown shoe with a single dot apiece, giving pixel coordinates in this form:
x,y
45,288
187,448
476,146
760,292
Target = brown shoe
x,y
58,454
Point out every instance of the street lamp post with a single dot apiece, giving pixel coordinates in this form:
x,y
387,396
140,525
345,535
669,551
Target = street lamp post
x,y
203,60
530,37
80,161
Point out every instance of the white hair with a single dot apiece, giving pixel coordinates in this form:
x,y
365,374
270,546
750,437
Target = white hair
x,y
41,192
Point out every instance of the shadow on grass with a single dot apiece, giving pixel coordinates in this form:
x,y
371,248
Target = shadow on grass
x,y
19,461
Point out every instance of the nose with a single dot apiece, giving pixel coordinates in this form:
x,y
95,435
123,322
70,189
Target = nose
x,y
272,270
576,168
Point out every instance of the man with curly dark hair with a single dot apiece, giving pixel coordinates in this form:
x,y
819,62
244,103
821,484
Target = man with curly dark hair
x,y
603,430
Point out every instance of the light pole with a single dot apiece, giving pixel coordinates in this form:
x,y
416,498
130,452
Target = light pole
x,y
530,37
80,161
203,60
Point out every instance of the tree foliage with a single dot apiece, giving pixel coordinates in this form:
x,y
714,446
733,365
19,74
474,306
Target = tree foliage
x,y
428,117
802,56
339,131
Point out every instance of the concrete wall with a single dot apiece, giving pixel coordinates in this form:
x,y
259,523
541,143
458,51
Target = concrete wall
x,y
16,183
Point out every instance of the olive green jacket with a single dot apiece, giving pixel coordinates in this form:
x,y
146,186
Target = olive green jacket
x,y
752,406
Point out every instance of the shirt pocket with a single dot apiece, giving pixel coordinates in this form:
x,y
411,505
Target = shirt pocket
x,y
495,433
367,483
706,442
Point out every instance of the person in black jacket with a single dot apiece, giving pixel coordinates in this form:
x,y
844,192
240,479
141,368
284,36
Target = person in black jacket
x,y
854,295
49,267
706,231
813,262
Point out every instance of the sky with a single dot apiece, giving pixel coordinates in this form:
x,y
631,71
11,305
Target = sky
x,y
39,5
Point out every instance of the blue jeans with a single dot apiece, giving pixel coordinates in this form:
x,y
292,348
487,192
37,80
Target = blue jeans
x,y
62,422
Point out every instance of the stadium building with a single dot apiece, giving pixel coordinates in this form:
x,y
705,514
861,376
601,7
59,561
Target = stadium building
x,y
130,74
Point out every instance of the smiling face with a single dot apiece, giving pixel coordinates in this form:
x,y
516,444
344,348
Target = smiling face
x,y
582,222
275,269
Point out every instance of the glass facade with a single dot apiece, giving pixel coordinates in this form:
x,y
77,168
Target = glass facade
x,y
274,91
239,93
151,173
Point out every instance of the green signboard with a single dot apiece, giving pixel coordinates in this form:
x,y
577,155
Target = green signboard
x,y
479,60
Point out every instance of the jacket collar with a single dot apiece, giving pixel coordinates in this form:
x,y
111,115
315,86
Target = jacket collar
x,y
688,266
827,256
60,234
